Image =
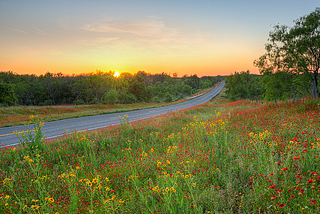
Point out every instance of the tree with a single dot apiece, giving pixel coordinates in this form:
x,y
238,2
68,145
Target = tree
x,y
137,86
168,98
295,50
242,85
111,96
7,95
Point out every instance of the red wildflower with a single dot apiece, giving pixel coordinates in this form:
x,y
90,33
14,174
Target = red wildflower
x,y
284,169
310,180
272,187
296,158
313,201
282,205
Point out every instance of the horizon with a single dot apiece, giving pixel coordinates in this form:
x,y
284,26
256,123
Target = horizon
x,y
117,76
184,37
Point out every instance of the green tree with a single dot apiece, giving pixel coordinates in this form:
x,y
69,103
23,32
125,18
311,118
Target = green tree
x,y
168,98
111,96
137,86
7,95
295,50
242,85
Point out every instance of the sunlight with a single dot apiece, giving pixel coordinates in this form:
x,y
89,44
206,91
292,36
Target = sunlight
x,y
116,74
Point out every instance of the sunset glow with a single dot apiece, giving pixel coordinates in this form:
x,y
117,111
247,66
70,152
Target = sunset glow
x,y
116,74
184,37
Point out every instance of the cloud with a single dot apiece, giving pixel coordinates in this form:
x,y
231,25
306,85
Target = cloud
x,y
144,27
96,41
41,32
18,30
150,32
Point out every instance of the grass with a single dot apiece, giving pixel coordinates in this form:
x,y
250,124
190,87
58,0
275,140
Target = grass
x,y
19,115
219,157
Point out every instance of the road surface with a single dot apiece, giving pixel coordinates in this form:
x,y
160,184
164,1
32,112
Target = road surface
x,y
58,128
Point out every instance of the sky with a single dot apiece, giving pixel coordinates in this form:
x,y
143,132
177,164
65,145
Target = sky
x,y
203,37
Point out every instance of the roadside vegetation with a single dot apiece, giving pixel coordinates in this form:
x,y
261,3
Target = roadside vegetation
x,y
98,88
222,156
226,156
289,68
12,116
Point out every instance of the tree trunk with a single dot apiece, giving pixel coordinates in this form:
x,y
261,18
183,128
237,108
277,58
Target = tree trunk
x,y
294,94
315,86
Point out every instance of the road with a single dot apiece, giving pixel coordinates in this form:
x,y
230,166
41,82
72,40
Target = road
x,y
58,128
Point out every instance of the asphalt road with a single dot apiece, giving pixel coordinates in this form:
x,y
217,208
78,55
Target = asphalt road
x,y
58,128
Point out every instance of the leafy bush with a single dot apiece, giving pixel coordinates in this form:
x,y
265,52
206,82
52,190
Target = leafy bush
x,y
168,97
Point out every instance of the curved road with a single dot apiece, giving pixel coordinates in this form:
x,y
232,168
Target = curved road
x,y
58,128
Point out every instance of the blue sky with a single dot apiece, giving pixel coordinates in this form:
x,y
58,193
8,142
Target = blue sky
x,y
184,37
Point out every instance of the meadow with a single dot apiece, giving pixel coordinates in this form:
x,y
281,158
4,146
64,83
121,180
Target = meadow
x,y
219,157
19,115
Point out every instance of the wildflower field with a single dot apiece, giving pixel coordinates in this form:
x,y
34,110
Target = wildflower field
x,y
219,157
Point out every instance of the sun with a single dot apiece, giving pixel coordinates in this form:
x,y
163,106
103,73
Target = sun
x,y
116,74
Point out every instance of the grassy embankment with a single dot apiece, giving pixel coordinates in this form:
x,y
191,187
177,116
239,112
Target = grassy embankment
x,y
220,157
18,115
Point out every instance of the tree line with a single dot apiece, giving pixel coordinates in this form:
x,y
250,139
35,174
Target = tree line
x,y
290,66
97,88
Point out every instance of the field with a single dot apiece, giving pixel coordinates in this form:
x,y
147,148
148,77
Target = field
x,y
19,115
219,157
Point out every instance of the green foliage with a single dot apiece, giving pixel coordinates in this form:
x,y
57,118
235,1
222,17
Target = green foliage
x,y
7,95
168,97
238,156
111,96
243,85
295,50
94,88
32,140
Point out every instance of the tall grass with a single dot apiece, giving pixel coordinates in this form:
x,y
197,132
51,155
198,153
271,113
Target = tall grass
x,y
229,157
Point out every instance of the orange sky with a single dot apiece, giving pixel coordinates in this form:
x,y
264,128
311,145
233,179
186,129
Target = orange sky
x,y
184,37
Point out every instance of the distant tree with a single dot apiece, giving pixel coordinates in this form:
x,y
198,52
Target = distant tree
x,y
52,85
242,86
111,96
7,95
137,86
186,90
207,84
168,97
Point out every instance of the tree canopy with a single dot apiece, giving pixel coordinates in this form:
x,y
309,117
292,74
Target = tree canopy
x,y
295,50
97,87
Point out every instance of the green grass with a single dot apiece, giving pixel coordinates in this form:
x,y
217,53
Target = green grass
x,y
19,115
219,157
